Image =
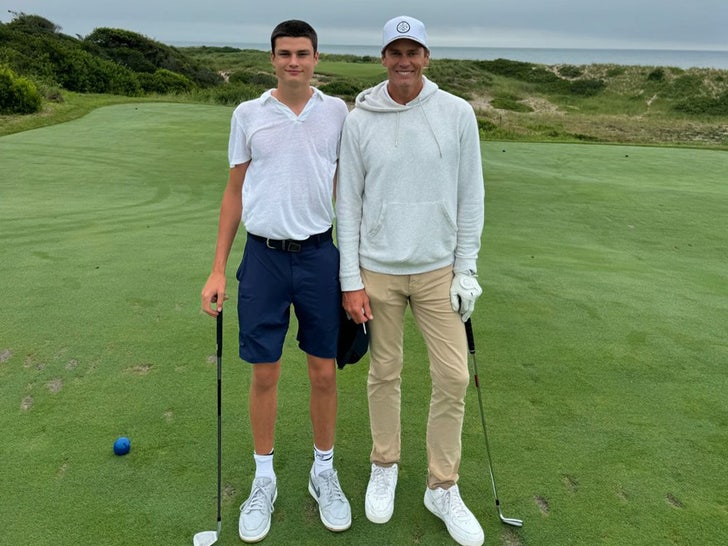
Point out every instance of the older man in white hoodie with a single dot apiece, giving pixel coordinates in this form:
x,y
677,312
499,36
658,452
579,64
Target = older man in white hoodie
x,y
410,212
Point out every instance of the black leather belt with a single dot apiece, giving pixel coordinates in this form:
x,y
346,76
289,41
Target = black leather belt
x,y
293,245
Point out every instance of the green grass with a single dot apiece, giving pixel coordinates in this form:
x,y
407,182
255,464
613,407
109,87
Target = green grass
x,y
367,73
74,106
600,341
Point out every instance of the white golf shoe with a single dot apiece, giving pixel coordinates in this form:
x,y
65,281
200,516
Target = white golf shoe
x,y
379,500
447,505
255,513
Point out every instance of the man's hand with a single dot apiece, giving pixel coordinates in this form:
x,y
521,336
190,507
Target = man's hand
x,y
356,304
464,290
214,293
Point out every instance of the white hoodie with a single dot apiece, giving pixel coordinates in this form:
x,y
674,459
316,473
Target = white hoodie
x,y
410,195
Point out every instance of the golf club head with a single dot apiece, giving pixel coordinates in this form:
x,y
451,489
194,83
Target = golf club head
x,y
511,521
205,538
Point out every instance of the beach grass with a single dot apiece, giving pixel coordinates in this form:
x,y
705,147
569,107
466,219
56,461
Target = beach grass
x,y
600,344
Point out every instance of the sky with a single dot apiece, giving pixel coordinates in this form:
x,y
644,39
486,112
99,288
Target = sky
x,y
597,24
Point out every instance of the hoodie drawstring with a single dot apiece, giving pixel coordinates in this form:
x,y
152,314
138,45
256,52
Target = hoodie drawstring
x,y
424,113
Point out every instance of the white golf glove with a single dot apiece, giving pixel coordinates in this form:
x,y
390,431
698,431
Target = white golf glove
x,y
464,290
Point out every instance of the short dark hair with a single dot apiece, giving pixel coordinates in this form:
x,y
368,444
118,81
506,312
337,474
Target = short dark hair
x,y
293,29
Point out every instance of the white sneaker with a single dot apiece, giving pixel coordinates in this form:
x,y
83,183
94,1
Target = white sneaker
x,y
255,513
447,505
334,508
379,501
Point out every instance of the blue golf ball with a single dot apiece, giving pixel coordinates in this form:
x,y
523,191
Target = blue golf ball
x,y
122,445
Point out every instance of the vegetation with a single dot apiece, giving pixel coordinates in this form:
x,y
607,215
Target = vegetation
x,y
17,95
109,61
601,345
513,100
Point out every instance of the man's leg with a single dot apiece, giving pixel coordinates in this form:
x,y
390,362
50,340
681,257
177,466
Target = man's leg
x,y
323,484
317,303
263,404
256,511
322,375
388,300
263,317
444,335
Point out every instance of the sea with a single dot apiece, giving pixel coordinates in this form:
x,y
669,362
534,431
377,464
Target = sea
x,y
549,56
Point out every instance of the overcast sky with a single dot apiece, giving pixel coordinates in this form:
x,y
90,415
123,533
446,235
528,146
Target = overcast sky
x,y
601,24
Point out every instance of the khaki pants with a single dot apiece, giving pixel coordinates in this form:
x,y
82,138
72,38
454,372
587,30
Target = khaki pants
x,y
428,294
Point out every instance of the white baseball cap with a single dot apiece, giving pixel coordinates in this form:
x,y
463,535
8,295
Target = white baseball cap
x,y
404,27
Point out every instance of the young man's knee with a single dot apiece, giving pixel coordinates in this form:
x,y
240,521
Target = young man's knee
x,y
323,378
265,376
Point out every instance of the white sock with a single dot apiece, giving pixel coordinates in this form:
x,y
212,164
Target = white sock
x,y
322,460
264,466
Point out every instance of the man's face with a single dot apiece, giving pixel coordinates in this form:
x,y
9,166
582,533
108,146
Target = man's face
x,y
404,60
294,60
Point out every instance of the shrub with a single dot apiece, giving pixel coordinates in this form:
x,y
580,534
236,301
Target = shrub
x,y
229,95
32,24
343,89
657,75
686,86
253,77
525,72
164,82
616,71
133,59
510,103
570,71
586,88
704,106
18,95
54,94
77,70
459,77
507,68
141,54
486,125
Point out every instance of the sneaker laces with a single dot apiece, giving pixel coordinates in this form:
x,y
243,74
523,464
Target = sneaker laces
x,y
330,483
454,502
381,478
258,501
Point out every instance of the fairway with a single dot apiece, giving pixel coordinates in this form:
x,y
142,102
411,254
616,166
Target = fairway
x,y
601,346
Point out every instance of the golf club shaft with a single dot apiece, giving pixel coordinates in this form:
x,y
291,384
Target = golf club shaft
x,y
476,379
219,419
208,538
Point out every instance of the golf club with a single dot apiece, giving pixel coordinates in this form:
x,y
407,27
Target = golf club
x,y
471,348
206,538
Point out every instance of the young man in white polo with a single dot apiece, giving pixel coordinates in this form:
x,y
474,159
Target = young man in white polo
x,y
283,153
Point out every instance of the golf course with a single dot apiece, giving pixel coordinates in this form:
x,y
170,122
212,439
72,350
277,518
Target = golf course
x,y
601,345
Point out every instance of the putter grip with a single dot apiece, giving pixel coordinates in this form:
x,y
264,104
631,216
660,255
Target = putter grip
x,y
219,334
469,335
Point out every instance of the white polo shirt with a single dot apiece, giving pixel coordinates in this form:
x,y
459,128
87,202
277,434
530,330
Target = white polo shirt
x,y
287,193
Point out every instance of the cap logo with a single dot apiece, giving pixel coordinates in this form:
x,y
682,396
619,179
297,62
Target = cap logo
x,y
403,27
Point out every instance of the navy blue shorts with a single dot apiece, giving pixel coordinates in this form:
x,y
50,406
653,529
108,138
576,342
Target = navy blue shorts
x,y
271,281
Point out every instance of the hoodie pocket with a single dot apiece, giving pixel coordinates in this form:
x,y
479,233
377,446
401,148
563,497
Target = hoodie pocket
x,y
412,233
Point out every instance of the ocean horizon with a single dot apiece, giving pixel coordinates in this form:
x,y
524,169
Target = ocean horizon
x,y
549,56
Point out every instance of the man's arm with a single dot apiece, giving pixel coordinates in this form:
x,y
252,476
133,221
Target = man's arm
x,y
231,211
350,189
471,197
